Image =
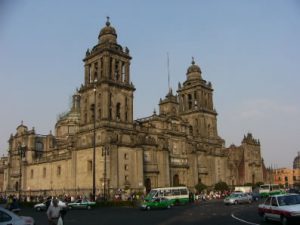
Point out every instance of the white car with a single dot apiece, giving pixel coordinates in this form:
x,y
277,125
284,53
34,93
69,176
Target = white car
x,y
283,208
8,217
43,206
237,198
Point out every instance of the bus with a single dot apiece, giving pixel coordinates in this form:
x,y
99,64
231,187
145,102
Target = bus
x,y
266,190
177,195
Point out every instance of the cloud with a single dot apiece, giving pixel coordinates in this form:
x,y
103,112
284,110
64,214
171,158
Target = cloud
x,y
262,108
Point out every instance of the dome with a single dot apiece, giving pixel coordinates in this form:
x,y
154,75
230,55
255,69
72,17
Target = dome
x,y
107,33
194,71
193,68
297,162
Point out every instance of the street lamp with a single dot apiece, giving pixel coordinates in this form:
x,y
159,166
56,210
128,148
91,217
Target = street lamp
x,y
105,151
21,152
93,108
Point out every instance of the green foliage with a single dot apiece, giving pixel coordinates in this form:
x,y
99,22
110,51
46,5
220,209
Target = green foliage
x,y
221,186
200,187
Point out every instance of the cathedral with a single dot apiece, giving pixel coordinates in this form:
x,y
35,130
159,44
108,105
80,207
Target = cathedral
x,y
98,145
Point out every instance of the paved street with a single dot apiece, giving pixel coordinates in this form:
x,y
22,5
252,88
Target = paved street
x,y
205,213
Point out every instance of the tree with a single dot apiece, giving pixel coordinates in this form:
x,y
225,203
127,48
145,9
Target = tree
x,y
221,186
200,187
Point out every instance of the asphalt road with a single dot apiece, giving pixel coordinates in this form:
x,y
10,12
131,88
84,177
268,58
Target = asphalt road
x,y
206,213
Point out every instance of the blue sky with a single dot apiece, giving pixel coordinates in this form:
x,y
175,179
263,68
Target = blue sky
x,y
248,49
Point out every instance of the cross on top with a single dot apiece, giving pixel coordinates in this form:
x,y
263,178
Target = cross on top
x,y
107,22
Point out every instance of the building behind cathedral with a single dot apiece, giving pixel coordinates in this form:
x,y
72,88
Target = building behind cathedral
x,y
178,145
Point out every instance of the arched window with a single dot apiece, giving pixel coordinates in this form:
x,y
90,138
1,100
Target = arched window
x,y
175,180
191,130
44,172
195,100
190,101
117,72
95,71
110,106
123,72
85,118
118,109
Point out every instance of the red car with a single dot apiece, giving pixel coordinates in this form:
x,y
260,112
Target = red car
x,y
284,208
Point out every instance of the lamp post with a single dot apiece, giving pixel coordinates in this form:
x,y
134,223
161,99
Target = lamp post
x,y
93,108
21,151
105,151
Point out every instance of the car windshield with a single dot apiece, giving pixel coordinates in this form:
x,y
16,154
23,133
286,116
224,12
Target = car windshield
x,y
289,200
234,195
152,193
265,187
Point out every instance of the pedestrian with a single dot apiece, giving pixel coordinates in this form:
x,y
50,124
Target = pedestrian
x,y
53,212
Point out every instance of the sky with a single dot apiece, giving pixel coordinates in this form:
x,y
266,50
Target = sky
x,y
248,49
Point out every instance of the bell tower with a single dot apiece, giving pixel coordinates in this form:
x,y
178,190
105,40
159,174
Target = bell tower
x,y
107,92
196,103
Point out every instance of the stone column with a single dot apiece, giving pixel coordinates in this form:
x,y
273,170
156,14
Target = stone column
x,y
86,74
120,71
127,73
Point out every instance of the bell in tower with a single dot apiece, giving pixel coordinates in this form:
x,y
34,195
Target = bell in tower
x,y
196,103
107,83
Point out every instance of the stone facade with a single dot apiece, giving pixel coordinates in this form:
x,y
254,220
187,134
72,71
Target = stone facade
x,y
287,177
178,145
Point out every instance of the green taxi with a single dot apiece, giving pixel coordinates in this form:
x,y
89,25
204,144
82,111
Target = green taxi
x,y
156,203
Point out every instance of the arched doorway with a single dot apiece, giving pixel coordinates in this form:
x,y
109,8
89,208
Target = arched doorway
x,y
17,186
253,178
148,185
175,180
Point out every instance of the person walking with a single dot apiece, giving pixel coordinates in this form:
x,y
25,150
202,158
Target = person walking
x,y
53,212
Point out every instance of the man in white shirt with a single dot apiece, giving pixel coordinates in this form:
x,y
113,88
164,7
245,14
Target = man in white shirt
x,y
53,212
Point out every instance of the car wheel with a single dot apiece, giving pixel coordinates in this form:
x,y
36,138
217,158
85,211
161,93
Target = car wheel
x,y
88,207
236,202
148,208
284,220
38,209
169,206
249,201
70,207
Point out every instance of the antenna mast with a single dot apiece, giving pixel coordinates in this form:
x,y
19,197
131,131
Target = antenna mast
x,y
168,64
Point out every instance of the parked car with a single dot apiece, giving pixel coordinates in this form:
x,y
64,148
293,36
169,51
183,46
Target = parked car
x,y
156,203
283,208
44,205
81,204
255,196
294,190
8,217
237,198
